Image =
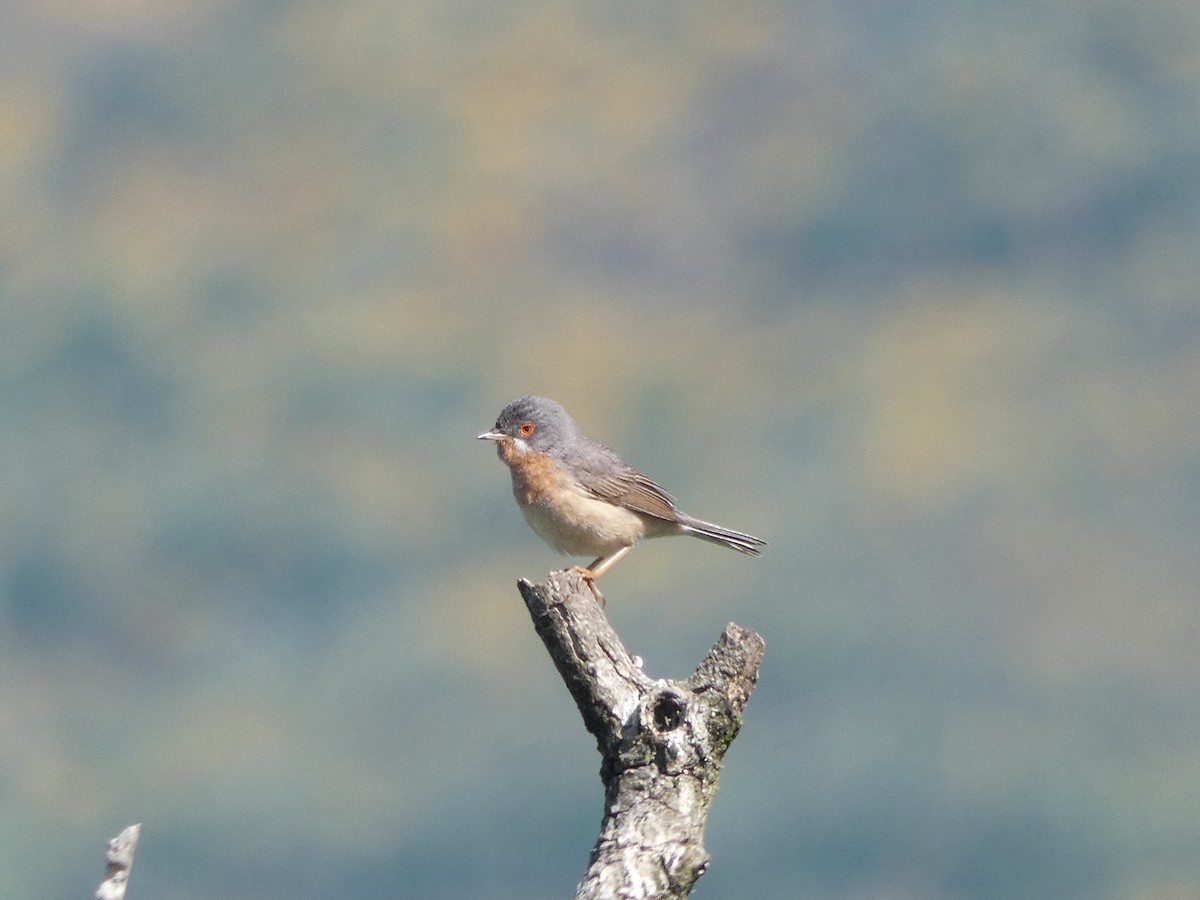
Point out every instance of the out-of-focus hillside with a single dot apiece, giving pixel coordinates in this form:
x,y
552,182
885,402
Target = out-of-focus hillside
x,y
910,290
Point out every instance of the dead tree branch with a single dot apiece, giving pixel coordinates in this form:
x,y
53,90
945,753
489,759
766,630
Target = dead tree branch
x,y
120,861
661,740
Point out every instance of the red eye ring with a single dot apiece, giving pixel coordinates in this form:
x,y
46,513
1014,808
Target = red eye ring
x,y
526,428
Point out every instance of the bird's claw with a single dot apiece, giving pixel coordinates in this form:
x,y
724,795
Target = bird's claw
x,y
590,580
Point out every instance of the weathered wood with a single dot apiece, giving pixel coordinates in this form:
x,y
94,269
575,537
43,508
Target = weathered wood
x,y
120,860
662,741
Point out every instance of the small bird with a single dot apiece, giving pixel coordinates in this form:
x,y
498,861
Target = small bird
x,y
580,497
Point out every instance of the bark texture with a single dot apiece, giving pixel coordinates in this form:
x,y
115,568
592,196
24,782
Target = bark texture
x,y
120,861
661,740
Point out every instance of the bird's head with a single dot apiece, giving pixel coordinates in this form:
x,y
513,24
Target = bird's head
x,y
531,424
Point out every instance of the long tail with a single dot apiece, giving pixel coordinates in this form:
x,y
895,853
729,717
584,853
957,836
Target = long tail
x,y
743,543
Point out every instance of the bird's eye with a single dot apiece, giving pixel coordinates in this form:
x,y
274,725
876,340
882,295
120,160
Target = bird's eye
x,y
526,428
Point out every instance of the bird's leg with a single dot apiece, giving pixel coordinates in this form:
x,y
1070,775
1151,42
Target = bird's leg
x,y
601,565
589,578
598,567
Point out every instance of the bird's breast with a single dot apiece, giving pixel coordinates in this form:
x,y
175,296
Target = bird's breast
x,y
534,475
565,515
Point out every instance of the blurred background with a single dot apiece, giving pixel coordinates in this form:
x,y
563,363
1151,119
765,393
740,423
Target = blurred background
x,y
908,289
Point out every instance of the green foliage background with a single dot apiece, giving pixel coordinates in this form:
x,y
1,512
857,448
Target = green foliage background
x,y
908,289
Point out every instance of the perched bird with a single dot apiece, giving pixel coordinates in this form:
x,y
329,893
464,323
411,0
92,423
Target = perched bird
x,y
581,498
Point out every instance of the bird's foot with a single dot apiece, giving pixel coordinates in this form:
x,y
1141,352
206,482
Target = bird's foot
x,y
589,578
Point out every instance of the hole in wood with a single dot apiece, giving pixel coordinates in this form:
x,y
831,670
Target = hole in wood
x,y
668,712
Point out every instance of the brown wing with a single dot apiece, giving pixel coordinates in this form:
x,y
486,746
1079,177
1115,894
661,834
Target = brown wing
x,y
608,478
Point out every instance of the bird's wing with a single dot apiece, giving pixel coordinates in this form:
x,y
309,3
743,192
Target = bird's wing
x,y
605,476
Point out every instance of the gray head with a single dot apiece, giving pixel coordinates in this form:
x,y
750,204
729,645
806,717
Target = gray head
x,y
534,422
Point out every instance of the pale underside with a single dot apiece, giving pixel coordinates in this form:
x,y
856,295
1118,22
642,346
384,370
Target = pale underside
x,y
577,523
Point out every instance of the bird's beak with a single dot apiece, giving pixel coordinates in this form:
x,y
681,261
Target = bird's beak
x,y
492,436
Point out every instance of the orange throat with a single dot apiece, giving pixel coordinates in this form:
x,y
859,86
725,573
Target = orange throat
x,y
533,472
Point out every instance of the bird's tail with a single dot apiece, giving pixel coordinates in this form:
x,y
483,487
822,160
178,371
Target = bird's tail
x,y
743,543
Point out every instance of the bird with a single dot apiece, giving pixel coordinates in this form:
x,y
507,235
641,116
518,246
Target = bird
x,y
581,498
